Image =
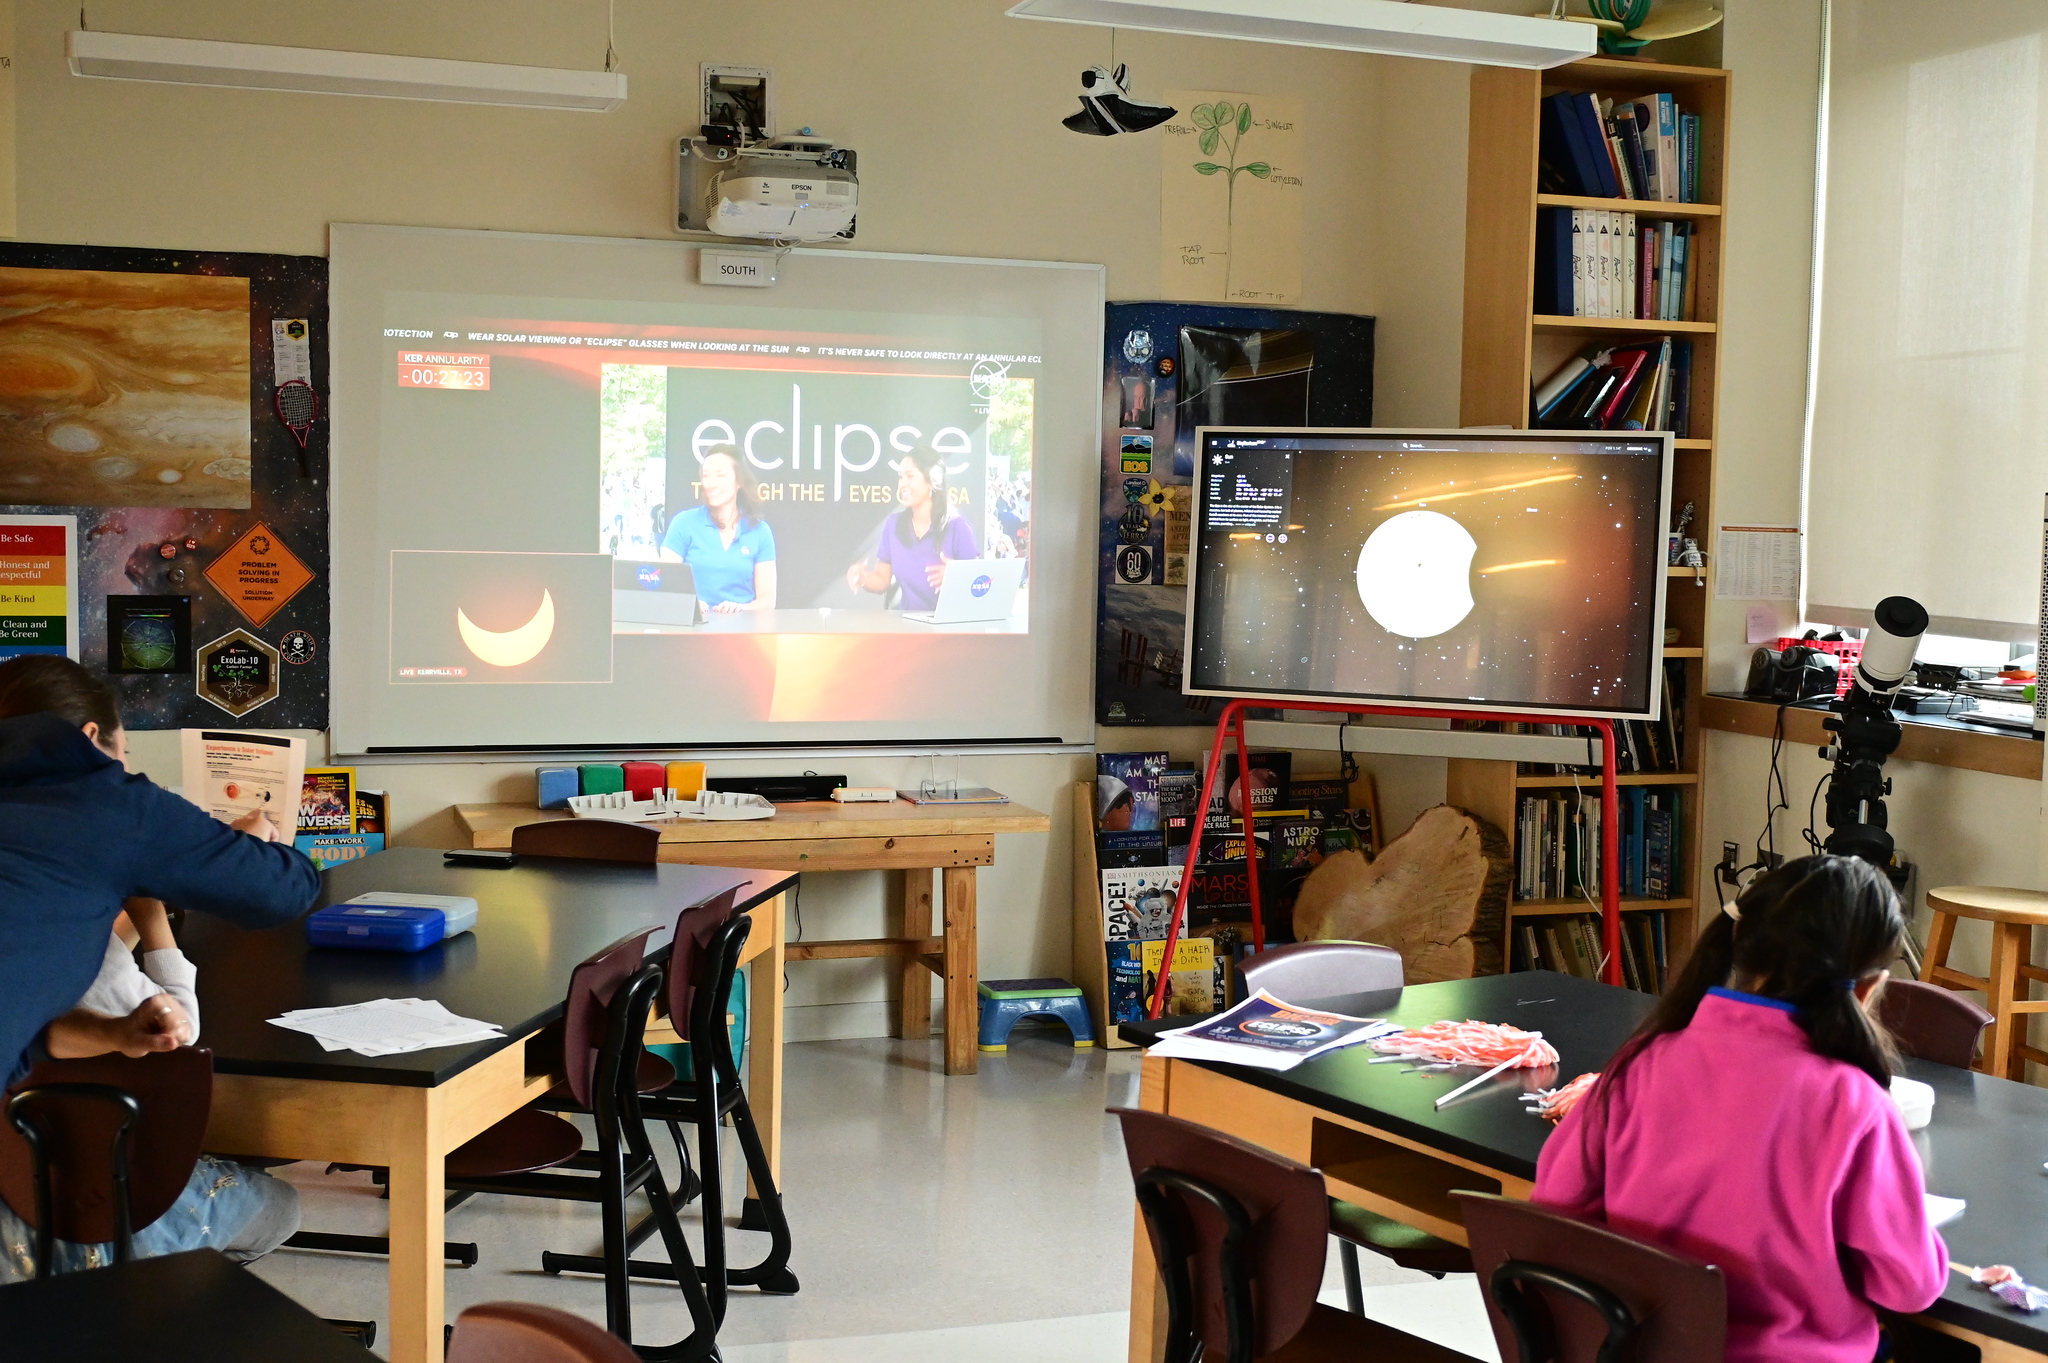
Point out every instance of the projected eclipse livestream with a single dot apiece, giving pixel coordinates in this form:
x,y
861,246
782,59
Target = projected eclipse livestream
x,y
1519,571
840,474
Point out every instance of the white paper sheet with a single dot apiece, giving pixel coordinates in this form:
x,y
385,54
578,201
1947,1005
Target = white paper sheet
x,y
387,1026
1757,563
1942,1210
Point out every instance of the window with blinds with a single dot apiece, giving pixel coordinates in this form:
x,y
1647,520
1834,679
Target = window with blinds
x,y
1928,459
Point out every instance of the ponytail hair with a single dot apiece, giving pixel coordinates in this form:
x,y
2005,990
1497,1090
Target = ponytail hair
x,y
1806,934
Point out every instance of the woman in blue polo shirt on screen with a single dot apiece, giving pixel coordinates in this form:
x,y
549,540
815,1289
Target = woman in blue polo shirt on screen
x,y
730,549
919,539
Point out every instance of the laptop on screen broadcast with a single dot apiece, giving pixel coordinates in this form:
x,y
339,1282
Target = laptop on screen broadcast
x,y
974,589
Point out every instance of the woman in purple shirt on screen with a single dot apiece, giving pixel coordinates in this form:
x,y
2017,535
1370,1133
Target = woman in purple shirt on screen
x,y
920,538
1749,1123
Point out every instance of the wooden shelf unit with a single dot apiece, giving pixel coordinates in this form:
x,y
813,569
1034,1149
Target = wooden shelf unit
x,y
1508,348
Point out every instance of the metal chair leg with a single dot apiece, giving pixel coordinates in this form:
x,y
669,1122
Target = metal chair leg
x,y
1354,1290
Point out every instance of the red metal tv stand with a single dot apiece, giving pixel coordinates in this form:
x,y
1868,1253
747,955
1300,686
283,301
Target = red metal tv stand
x,y
1230,728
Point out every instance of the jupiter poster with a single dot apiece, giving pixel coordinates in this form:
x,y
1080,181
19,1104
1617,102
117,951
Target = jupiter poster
x,y
123,389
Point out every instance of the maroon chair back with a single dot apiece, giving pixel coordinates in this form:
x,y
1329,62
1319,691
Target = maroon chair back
x,y
588,840
518,1332
696,928
588,1009
1931,1022
173,1089
1547,1260
1319,970
1280,1261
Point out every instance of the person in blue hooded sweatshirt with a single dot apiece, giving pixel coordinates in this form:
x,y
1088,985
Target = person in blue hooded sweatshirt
x,y
79,836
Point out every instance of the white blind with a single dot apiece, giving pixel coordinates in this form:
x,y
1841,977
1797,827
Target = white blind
x,y
1930,433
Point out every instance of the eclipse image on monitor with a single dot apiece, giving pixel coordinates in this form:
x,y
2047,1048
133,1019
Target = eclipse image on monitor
x,y
1499,570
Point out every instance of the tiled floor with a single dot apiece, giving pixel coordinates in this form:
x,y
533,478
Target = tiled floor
x,y
985,1218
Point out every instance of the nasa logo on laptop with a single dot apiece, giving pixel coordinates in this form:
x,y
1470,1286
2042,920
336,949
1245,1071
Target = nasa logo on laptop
x,y
980,586
650,576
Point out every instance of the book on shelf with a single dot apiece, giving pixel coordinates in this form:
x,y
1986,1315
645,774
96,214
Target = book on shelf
x,y
1597,262
1599,147
1558,845
1574,944
1640,386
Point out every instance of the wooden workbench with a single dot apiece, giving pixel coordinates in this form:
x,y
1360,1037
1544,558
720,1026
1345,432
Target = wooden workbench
x,y
826,836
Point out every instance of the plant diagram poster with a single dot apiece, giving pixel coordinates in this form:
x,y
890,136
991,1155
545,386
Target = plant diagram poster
x,y
1230,195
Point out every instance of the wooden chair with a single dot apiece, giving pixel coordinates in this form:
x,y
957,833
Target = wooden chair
x,y
95,1150
1301,971
1240,1236
1932,1022
519,1332
588,840
1562,1290
2013,916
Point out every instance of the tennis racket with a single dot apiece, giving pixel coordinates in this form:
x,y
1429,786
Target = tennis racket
x,y
298,407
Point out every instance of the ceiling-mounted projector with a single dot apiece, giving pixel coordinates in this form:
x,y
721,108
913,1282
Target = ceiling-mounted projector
x,y
800,188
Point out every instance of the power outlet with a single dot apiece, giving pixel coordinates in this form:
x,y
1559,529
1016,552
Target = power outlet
x,y
1731,858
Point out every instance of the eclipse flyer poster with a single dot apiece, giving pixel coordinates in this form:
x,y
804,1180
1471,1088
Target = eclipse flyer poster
x,y
1264,1032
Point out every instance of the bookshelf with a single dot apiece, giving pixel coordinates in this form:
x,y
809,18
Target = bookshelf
x,y
1508,347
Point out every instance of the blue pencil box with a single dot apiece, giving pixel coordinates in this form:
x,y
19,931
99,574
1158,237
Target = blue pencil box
x,y
391,922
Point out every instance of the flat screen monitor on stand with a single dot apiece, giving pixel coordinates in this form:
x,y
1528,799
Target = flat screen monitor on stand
x,y
1516,571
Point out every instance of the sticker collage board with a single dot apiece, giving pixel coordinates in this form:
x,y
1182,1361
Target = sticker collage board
x,y
1168,369
159,521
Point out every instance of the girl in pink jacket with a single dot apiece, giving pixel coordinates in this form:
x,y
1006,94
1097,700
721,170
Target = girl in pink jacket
x,y
1749,1123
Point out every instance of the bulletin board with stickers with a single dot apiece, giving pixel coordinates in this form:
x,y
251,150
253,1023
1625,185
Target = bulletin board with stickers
x,y
1169,368
163,492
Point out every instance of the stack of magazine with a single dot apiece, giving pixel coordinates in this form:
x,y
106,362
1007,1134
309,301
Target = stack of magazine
x,y
1265,1033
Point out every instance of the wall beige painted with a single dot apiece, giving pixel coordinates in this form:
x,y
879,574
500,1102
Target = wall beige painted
x,y
955,111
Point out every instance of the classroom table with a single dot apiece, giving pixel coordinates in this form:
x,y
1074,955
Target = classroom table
x,y
1380,1143
195,1307
277,1093
823,835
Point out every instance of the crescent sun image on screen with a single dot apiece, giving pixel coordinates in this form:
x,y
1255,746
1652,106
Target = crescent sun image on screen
x,y
1517,571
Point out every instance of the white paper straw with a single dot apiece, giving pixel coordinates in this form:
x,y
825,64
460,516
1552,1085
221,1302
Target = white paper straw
x,y
1471,1084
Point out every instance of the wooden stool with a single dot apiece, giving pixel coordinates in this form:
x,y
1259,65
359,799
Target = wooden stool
x,y
2013,915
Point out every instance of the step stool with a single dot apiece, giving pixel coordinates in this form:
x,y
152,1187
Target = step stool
x,y
1003,1002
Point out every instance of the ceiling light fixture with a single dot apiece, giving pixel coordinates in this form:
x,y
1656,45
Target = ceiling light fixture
x,y
1382,26
323,71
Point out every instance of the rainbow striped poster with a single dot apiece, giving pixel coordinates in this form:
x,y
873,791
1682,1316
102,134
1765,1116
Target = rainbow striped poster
x,y
38,585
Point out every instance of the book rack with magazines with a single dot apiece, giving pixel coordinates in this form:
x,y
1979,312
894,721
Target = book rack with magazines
x,y
1134,826
1594,227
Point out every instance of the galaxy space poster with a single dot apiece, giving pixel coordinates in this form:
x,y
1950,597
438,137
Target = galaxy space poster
x,y
137,409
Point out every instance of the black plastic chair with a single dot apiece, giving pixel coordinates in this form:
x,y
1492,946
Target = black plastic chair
x,y
526,1154
703,960
1301,971
1563,1290
95,1150
1240,1234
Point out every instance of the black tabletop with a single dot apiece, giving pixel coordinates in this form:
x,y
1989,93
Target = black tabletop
x,y
1585,1021
535,923
182,1308
1986,1144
